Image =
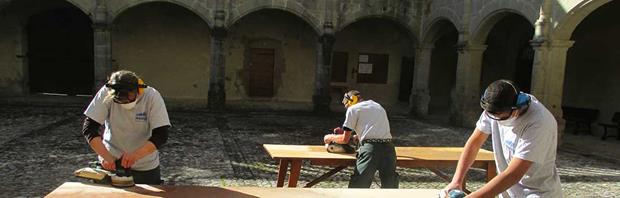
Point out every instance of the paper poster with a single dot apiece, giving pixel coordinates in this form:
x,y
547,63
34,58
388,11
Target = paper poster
x,y
362,59
365,68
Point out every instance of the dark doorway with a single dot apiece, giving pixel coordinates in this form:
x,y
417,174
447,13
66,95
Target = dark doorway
x,y
444,59
60,52
509,54
261,72
406,79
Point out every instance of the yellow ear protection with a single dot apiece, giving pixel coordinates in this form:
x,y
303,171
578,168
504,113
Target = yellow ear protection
x,y
141,86
351,100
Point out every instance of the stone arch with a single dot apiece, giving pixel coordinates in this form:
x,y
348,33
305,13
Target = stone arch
x,y
484,27
84,8
151,48
487,10
441,14
50,39
402,24
509,54
81,6
566,26
199,13
299,12
433,33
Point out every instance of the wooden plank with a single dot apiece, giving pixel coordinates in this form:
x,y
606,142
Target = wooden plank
x,y
76,189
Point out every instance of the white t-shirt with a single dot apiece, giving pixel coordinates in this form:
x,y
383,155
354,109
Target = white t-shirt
x,y
369,120
532,137
128,130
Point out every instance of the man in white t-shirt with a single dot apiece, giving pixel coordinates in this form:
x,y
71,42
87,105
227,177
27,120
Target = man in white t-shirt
x,y
369,121
136,126
524,137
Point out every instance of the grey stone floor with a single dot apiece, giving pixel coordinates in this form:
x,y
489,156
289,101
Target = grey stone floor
x,y
41,145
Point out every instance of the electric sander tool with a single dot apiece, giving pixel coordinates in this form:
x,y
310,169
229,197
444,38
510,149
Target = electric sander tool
x,y
121,177
350,147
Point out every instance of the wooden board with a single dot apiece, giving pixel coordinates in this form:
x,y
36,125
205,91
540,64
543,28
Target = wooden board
x,y
76,189
278,151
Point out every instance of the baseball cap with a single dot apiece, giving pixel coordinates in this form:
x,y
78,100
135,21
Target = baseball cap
x,y
499,96
122,82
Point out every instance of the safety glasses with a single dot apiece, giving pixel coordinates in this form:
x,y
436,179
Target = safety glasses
x,y
499,116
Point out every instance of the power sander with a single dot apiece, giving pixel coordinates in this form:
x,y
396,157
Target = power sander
x,y
121,177
350,147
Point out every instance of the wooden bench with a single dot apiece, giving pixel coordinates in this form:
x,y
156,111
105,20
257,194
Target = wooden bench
x,y
580,118
77,189
616,124
410,157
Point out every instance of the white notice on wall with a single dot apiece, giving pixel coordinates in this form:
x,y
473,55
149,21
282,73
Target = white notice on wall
x,y
365,68
362,59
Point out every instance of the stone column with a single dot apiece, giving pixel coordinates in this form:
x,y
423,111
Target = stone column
x,y
466,96
217,92
548,76
102,46
321,97
549,67
420,94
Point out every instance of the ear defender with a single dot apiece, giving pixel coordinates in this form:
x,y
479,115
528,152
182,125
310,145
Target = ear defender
x,y
141,86
522,99
351,100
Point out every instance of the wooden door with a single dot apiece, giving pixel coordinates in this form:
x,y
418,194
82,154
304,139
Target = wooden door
x,y
261,72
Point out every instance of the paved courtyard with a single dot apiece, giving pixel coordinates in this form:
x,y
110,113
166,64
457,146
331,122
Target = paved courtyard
x,y
41,146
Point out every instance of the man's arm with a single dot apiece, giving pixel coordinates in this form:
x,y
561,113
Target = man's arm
x,y
339,138
90,131
159,137
515,171
467,158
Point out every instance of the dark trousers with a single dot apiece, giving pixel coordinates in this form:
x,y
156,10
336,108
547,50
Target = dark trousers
x,y
370,158
152,176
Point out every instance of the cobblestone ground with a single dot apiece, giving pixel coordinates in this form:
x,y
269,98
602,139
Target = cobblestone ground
x,y
40,147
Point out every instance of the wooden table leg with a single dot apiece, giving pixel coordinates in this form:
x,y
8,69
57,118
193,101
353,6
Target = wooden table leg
x,y
282,172
324,176
491,171
295,172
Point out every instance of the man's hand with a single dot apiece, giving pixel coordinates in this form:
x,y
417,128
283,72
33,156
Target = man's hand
x,y
108,164
452,185
329,138
128,159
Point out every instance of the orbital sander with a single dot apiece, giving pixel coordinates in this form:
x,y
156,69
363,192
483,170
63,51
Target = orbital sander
x,y
121,177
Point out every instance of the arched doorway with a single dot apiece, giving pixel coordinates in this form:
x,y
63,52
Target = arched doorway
x,y
592,64
271,59
444,59
508,54
168,45
60,51
375,56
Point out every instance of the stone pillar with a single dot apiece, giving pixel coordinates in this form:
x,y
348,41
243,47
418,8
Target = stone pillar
x,y
549,67
102,46
321,97
217,92
548,76
420,94
466,97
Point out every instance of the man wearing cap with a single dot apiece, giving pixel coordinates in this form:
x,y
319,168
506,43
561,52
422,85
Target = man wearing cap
x,y
369,121
524,137
136,126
